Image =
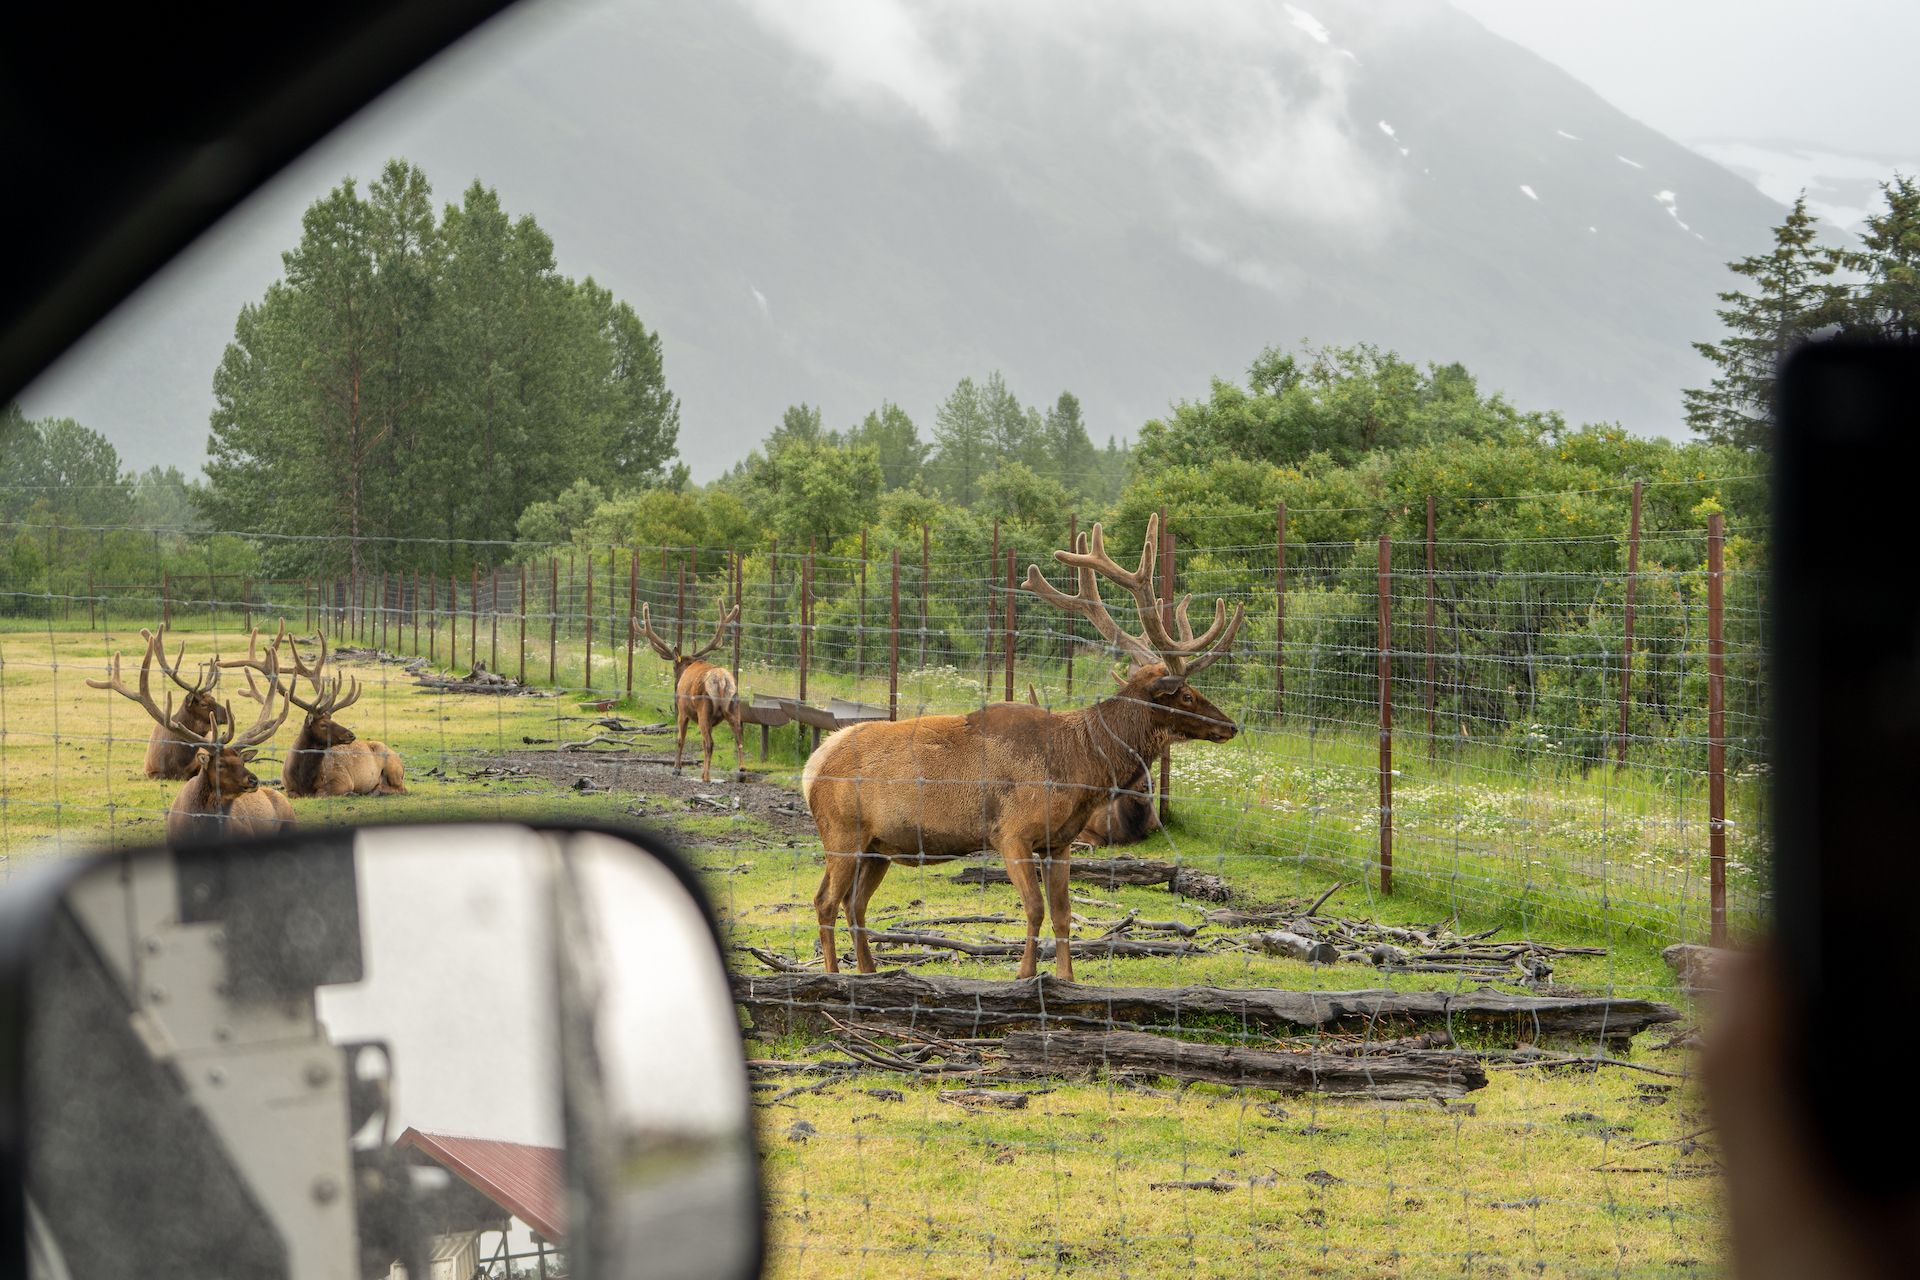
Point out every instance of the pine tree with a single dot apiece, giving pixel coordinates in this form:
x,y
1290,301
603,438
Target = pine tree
x,y
1886,302
895,440
1069,452
961,439
1794,299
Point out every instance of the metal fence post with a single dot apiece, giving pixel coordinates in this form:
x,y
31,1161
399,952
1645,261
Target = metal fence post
x,y
1012,624
1433,738
1166,618
1385,592
925,590
1716,733
553,620
586,675
737,581
1279,612
893,643
1626,641
1073,543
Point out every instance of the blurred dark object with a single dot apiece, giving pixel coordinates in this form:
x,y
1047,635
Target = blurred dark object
x,y
291,917
1846,739
124,138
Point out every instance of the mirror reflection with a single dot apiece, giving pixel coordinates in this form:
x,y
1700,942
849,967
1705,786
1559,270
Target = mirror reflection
x,y
453,1052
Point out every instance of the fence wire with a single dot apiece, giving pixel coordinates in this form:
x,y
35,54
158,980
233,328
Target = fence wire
x,y
1549,794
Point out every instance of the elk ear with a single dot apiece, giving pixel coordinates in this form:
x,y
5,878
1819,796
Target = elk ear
x,y
199,763
1121,673
1166,686
249,754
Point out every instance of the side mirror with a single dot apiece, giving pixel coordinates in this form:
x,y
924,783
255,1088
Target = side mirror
x,y
428,1051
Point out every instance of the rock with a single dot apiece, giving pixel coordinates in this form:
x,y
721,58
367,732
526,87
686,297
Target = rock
x,y
800,1131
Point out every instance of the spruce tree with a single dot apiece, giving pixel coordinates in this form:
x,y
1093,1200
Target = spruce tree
x,y
1886,301
1793,299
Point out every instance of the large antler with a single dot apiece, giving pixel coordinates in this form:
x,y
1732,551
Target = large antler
x,y
144,695
266,724
209,672
326,690
661,647
1185,654
726,618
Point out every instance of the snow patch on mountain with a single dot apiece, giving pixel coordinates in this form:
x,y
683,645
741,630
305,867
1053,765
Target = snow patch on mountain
x,y
1631,163
1568,136
1529,192
1309,24
1671,203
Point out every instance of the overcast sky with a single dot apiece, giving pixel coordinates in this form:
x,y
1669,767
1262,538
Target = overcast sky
x,y
1839,74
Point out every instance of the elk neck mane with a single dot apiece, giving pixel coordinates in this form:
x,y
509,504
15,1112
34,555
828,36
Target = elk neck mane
x,y
300,773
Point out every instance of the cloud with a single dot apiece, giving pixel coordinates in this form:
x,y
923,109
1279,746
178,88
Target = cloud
x,y
1222,127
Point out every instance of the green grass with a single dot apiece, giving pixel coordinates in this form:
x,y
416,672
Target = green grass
x,y
1511,1186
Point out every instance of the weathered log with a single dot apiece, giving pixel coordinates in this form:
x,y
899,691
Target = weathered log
x,y
1698,968
974,1006
1418,1074
1111,873
1001,948
1283,943
1005,1099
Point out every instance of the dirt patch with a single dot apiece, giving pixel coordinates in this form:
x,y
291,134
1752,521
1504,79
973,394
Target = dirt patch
x,y
650,776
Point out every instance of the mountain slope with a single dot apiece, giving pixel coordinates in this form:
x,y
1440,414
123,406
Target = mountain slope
x,y
1096,199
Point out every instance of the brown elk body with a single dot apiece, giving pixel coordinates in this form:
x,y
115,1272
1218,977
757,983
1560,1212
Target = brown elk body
x,y
1016,779
1128,818
329,759
222,799
703,694
168,755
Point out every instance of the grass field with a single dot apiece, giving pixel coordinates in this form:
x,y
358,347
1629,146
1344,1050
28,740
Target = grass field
x,y
1544,1172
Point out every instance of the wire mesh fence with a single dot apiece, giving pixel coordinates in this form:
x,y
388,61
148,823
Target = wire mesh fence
x,y
1530,764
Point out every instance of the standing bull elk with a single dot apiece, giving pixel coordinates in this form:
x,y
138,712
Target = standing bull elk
x,y
222,798
702,693
1010,777
327,758
169,755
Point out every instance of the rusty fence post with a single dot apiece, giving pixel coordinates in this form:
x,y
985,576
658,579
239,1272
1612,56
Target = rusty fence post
x,y
680,611
520,602
1626,641
737,583
860,624
806,619
453,621
1166,610
586,675
493,620
553,620
1716,732
893,643
1279,612
1385,592
925,593
633,610
1433,738
1073,543
433,620
1012,623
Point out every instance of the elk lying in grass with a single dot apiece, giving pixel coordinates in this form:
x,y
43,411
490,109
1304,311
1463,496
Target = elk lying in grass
x,y
702,693
222,798
168,755
327,759
1010,777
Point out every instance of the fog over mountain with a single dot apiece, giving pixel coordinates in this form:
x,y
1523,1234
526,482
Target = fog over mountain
x,y
842,203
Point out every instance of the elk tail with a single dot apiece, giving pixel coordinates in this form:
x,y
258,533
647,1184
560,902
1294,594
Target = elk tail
x,y
720,690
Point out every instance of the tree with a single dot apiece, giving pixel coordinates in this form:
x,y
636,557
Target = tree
x,y
1794,298
1014,433
896,442
800,424
645,426
58,471
961,440
1886,301
1069,454
1015,491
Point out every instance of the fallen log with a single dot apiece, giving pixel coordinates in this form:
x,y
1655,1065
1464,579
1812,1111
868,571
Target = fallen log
x,y
479,680
972,1006
1417,1074
1111,873
1280,942
1001,948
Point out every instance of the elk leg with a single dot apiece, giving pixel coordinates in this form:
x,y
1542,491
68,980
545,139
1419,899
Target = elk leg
x,y
1060,907
680,751
872,871
835,882
706,741
739,745
1025,875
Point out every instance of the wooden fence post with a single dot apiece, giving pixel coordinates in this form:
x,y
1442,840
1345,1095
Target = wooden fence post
x,y
893,644
553,620
1279,612
1716,734
1433,737
1166,609
1011,625
1385,592
1626,643
587,671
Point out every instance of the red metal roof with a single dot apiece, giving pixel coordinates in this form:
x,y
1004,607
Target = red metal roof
x,y
528,1182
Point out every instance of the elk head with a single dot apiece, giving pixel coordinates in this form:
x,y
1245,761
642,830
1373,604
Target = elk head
x,y
198,708
223,754
671,653
1162,657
